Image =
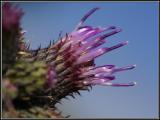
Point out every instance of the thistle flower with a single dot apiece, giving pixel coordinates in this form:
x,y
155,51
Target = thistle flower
x,y
11,29
44,76
71,60
76,52
11,16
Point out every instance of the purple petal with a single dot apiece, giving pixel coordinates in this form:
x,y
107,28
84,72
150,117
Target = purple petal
x,y
95,45
86,27
86,32
116,46
110,33
91,33
82,30
91,55
88,45
86,16
96,81
99,81
103,74
107,66
95,53
119,84
79,36
100,30
97,70
109,77
124,68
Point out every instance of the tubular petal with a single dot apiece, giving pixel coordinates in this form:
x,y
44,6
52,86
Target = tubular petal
x,y
89,45
84,29
91,55
107,66
119,84
116,46
111,33
86,16
98,70
124,68
95,53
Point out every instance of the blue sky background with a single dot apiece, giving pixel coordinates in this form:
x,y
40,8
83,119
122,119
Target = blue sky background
x,y
139,22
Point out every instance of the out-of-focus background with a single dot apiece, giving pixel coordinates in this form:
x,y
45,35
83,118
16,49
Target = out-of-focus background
x,y
139,21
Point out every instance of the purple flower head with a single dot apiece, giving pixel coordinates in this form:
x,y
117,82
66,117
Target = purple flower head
x,y
10,16
76,52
